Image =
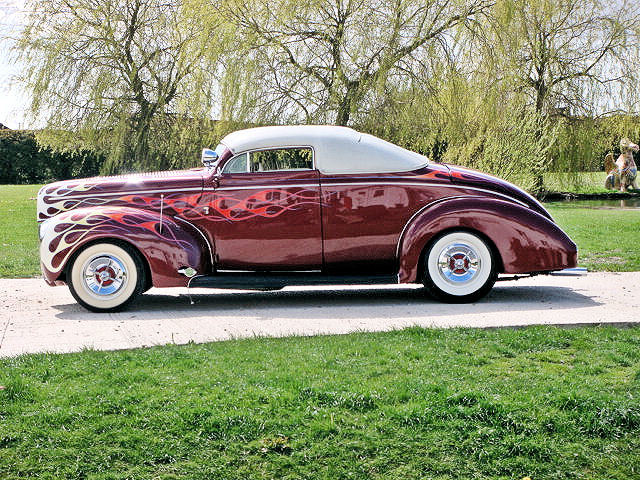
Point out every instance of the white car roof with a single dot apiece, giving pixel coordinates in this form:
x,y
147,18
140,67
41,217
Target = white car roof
x,y
337,150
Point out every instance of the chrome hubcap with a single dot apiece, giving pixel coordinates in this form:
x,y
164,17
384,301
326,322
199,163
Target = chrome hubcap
x,y
458,263
104,275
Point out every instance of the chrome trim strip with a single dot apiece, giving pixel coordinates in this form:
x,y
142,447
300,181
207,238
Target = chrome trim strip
x,y
257,187
229,270
367,183
122,193
421,184
314,184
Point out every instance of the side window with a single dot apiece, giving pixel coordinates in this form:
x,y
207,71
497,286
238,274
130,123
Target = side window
x,y
281,159
237,164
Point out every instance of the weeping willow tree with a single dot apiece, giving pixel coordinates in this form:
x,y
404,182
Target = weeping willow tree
x,y
324,60
568,56
120,76
569,59
482,83
460,118
521,95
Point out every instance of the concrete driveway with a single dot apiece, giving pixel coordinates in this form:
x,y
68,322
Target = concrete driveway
x,y
38,318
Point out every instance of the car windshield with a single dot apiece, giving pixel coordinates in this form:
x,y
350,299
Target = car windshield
x,y
223,153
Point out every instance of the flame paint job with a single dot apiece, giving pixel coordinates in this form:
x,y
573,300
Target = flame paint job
x,y
67,195
288,236
268,203
166,247
465,176
296,220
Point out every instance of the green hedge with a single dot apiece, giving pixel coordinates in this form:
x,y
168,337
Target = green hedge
x,y
23,161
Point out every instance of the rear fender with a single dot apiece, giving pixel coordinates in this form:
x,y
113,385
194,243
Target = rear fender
x,y
166,243
525,240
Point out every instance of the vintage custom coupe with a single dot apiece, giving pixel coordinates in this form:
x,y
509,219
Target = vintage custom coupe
x,y
295,205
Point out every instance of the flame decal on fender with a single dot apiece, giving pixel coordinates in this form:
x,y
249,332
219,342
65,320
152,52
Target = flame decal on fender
x,y
129,214
268,203
64,232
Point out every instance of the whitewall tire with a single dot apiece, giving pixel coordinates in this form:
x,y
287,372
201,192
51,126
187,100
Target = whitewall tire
x,y
105,277
459,267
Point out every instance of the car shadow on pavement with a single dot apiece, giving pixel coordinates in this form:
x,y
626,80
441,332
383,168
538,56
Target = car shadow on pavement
x,y
344,303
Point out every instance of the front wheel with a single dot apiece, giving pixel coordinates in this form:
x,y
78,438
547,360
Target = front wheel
x,y
459,268
105,277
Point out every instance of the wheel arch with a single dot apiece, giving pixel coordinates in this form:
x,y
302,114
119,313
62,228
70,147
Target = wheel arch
x,y
165,244
521,239
115,241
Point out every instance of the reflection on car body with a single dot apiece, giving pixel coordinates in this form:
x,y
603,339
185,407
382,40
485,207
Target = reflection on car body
x,y
295,205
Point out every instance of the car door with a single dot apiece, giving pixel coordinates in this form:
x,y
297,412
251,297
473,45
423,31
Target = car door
x,y
263,211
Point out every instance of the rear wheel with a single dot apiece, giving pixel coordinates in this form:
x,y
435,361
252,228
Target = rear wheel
x,y
105,277
459,268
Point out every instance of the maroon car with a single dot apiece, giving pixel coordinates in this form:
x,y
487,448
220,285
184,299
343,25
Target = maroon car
x,y
294,205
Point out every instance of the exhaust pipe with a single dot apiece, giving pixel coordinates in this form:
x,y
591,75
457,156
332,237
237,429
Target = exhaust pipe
x,y
570,272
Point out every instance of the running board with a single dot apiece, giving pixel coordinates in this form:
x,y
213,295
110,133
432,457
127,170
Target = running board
x,y
276,281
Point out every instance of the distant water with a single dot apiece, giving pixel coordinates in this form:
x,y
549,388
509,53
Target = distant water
x,y
627,203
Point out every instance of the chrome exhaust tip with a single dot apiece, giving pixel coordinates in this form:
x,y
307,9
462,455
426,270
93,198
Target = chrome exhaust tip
x,y
571,272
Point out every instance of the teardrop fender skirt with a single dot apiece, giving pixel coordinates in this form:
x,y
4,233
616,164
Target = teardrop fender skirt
x,y
524,240
166,245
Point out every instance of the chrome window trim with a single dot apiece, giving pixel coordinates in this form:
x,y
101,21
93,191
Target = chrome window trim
x,y
222,172
284,147
258,187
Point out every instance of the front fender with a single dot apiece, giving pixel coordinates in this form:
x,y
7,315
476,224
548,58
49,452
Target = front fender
x,y
166,245
525,240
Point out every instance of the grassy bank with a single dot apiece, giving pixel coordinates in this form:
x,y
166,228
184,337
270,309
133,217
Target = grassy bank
x,y
577,182
540,402
608,239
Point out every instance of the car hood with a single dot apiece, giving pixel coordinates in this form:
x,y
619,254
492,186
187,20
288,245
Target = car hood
x,y
473,178
65,195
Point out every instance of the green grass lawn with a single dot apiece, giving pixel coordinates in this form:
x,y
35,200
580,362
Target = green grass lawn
x,y
608,239
543,402
18,231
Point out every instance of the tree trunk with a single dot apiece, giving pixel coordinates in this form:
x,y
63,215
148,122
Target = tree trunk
x,y
540,167
344,112
347,102
140,155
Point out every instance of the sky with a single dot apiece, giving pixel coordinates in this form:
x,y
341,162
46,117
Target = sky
x,y
12,100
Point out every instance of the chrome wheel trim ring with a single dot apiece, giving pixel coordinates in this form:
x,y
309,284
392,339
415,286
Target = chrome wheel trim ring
x,y
475,272
104,276
458,263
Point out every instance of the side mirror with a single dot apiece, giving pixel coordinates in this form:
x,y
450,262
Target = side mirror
x,y
209,158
